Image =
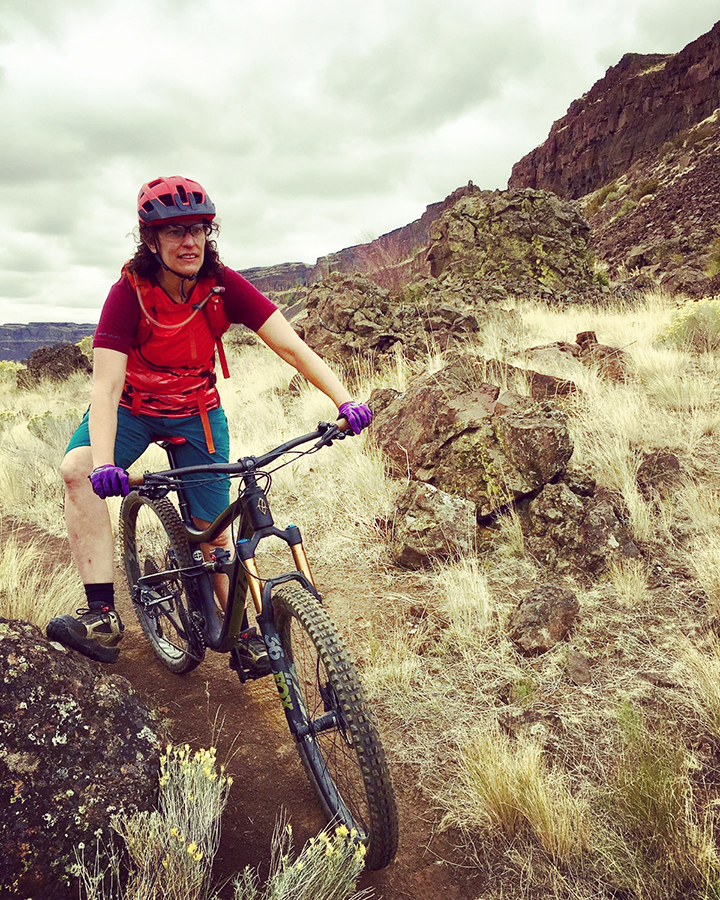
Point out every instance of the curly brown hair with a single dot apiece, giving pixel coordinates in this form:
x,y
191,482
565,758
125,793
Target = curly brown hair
x,y
146,265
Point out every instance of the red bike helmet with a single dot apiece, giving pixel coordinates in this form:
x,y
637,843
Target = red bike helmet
x,y
173,198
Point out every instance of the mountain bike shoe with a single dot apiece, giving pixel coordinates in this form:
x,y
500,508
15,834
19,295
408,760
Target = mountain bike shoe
x,y
249,658
94,632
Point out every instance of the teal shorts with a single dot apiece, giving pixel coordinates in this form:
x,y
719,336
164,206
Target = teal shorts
x,y
135,433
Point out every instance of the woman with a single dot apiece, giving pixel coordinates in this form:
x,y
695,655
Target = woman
x,y
153,376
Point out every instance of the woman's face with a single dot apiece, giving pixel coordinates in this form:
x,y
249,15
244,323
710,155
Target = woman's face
x,y
181,247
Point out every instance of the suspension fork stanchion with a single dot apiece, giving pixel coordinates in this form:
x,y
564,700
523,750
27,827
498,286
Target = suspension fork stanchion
x,y
246,553
298,551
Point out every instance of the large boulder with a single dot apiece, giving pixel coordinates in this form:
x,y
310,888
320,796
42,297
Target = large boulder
x,y
522,243
77,745
469,439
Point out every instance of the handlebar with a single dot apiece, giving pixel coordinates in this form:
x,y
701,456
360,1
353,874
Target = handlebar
x,y
324,435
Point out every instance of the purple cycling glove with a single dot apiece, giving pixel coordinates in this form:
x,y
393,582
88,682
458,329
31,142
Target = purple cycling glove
x,y
358,415
109,481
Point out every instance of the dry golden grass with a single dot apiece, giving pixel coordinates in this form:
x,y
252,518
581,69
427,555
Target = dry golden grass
x,y
507,787
31,588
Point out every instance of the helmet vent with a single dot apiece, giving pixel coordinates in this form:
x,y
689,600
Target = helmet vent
x,y
169,198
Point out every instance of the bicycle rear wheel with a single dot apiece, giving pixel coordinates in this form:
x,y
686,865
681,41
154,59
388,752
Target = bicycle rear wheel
x,y
153,540
341,751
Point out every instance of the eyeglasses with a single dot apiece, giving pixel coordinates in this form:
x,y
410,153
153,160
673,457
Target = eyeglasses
x,y
176,233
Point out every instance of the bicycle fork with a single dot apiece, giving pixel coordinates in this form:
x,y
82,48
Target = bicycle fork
x,y
246,552
283,673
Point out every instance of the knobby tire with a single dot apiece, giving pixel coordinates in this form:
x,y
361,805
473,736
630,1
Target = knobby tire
x,y
345,763
153,540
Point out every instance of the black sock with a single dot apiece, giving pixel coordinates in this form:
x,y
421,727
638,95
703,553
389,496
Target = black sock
x,y
100,596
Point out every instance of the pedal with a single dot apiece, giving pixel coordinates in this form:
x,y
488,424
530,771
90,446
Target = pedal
x,y
248,664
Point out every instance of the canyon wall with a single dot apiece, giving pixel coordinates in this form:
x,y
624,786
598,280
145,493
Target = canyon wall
x,y
642,102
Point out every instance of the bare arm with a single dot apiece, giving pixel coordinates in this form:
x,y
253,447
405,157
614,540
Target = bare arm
x,y
278,334
108,379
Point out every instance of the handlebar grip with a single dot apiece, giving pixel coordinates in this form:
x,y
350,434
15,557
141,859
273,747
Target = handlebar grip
x,y
136,480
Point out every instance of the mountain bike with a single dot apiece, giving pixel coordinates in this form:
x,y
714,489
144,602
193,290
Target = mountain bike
x,y
171,585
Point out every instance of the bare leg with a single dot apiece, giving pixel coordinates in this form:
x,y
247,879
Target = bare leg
x,y
88,520
221,583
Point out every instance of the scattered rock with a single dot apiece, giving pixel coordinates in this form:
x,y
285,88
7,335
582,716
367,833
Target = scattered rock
x,y
542,387
612,362
579,532
76,746
558,349
658,473
577,668
542,619
431,524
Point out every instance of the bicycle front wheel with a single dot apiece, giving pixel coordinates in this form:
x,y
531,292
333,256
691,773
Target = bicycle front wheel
x,y
153,540
341,750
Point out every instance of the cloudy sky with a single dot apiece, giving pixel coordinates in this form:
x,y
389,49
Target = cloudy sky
x,y
313,124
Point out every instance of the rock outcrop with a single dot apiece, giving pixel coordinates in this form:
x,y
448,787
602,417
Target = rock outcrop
x,y
489,246
54,363
642,150
470,440
76,746
524,243
642,102
348,315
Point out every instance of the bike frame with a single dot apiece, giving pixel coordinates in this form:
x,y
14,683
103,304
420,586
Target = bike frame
x,y
256,524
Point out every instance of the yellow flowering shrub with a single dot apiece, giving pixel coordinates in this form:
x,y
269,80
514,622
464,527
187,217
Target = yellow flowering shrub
x,y
171,850
695,326
327,868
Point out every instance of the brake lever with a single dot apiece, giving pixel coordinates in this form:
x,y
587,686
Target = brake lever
x,y
146,486
334,433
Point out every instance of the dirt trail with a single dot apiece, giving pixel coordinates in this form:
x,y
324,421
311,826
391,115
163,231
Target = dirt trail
x,y
245,722
209,706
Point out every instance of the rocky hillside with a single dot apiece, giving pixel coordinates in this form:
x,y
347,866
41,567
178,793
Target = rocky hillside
x,y
642,151
641,103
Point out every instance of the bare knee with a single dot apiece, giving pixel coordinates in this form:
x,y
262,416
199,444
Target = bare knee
x,y
75,468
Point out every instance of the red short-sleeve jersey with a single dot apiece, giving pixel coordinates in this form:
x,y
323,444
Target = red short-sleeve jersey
x,y
120,315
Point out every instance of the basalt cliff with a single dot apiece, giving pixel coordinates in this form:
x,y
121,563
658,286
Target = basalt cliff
x,y
641,151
